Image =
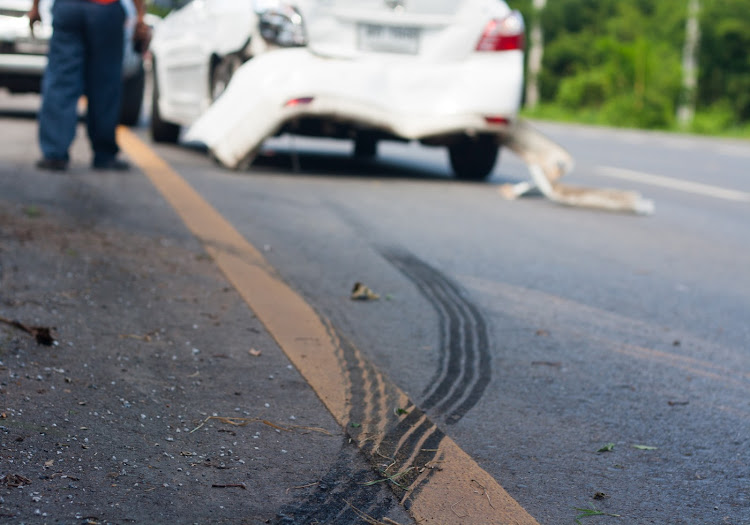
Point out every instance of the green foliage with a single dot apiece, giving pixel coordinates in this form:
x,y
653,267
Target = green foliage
x,y
619,62
724,58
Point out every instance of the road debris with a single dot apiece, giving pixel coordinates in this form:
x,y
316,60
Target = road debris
x,y
360,292
244,421
42,334
392,478
484,492
14,481
147,337
306,486
548,162
609,447
587,512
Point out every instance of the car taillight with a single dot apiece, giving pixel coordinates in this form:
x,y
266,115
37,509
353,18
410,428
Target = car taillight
x,y
301,101
497,121
505,34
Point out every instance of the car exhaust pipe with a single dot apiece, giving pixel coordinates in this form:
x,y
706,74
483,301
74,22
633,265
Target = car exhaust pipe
x,y
548,162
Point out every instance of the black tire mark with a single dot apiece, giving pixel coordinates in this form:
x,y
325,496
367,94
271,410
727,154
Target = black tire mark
x,y
396,426
465,362
336,495
406,445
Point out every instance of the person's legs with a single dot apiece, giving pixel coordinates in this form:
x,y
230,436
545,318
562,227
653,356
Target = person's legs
x,y
105,32
62,84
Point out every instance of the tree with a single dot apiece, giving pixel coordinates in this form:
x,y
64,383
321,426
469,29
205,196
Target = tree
x,y
686,110
724,76
535,55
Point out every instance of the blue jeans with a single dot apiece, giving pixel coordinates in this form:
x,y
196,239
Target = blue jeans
x,y
85,58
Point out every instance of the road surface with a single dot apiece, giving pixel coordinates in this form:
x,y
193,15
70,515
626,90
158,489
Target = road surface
x,y
581,359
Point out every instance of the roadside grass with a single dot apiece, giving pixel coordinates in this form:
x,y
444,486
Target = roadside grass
x,y
713,123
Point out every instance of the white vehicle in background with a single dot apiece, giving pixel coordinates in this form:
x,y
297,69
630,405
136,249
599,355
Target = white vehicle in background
x,y
446,73
442,72
197,48
23,55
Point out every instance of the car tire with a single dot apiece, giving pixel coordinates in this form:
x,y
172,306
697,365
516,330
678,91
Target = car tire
x,y
132,98
222,71
365,146
473,158
161,130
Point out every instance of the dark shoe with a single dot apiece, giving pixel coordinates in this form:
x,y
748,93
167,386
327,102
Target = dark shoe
x,y
111,165
52,164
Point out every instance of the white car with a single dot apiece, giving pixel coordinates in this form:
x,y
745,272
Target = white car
x,y
443,72
23,55
197,48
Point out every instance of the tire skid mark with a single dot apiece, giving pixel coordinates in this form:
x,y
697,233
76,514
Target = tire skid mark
x,y
462,346
400,441
464,369
406,436
382,411
482,366
400,432
368,396
332,498
431,457
449,327
430,473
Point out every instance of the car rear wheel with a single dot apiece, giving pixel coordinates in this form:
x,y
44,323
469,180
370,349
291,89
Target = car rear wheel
x,y
161,130
132,98
473,158
365,146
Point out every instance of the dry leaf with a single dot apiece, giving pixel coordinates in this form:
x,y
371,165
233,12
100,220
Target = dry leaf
x,y
360,292
42,334
255,353
14,480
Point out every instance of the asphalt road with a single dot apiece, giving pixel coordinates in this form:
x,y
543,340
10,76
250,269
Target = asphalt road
x,y
584,359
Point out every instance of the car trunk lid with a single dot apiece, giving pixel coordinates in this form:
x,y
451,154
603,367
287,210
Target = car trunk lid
x,y
438,30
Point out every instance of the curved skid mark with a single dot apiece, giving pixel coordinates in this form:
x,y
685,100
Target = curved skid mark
x,y
332,367
443,326
425,279
464,369
464,399
341,485
464,348
404,437
457,364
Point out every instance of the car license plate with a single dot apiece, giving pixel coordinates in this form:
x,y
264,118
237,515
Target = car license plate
x,y
31,46
389,39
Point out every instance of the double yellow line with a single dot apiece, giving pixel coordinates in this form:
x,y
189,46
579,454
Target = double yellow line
x,y
458,491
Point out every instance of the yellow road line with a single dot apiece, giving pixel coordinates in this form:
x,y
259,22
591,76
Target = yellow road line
x,y
459,491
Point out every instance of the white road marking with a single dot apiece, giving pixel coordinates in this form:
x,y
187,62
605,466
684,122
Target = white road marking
x,y
675,184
